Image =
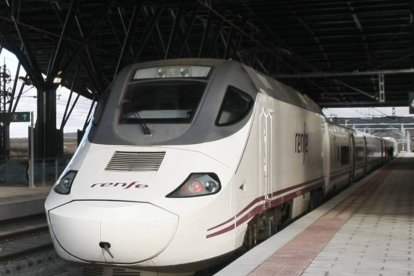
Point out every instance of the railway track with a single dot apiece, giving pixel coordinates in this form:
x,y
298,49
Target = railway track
x,y
23,236
26,249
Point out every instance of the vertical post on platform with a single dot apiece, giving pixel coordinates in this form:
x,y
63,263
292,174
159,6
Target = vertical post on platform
x,y
408,141
31,161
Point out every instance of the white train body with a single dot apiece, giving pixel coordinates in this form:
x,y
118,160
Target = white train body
x,y
174,186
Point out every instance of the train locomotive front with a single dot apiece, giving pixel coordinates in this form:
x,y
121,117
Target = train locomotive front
x,y
151,180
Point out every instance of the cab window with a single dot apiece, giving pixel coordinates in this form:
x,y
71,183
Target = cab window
x,y
162,102
236,105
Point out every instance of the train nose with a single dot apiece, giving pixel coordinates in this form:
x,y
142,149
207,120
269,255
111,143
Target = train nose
x,y
111,231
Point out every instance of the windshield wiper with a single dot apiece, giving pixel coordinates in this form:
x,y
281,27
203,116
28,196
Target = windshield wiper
x,y
145,128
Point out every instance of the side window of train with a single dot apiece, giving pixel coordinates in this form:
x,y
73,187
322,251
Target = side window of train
x,y
344,155
338,154
360,153
236,105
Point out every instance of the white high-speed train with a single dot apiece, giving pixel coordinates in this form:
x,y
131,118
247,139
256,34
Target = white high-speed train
x,y
187,160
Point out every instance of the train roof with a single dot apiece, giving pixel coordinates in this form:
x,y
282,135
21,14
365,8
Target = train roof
x,y
181,62
281,91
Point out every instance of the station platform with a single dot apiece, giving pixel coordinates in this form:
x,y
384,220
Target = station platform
x,y
365,230
20,201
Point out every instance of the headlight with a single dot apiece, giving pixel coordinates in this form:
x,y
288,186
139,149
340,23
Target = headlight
x,y
65,183
198,184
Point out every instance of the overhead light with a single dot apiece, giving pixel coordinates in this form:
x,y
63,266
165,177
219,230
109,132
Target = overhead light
x,y
57,80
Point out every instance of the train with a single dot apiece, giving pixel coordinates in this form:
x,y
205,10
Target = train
x,y
188,160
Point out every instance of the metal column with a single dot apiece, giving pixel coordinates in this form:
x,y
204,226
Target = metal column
x,y
48,140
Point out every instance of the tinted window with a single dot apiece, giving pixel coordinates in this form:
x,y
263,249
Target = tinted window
x,y
235,106
171,101
360,153
344,155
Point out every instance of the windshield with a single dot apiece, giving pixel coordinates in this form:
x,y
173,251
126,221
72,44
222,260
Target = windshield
x,y
161,102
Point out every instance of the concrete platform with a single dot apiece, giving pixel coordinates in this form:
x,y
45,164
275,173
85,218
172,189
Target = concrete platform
x,y
19,201
366,230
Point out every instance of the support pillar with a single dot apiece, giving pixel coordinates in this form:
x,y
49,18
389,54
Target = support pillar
x,y
4,141
48,139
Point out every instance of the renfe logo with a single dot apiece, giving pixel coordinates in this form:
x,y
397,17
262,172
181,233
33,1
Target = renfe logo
x,y
123,185
301,142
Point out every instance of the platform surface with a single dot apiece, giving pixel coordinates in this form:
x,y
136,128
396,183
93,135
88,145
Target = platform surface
x,y
21,201
366,230
11,193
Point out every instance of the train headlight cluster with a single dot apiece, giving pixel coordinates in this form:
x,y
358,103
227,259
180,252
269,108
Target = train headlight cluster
x,y
65,183
198,184
173,72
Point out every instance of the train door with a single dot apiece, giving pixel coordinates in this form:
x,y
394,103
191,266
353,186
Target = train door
x,y
266,121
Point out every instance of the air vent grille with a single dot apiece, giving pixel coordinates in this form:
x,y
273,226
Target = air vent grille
x,y
135,161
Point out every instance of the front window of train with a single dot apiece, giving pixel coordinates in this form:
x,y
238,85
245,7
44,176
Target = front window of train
x,y
170,101
164,95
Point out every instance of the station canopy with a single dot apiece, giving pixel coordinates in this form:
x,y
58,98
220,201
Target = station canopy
x,y
340,53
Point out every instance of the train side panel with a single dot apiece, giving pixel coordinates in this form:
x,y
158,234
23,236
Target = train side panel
x,y
298,165
340,158
284,149
360,167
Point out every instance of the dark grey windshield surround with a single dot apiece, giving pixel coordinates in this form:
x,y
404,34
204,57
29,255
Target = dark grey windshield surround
x,y
202,128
